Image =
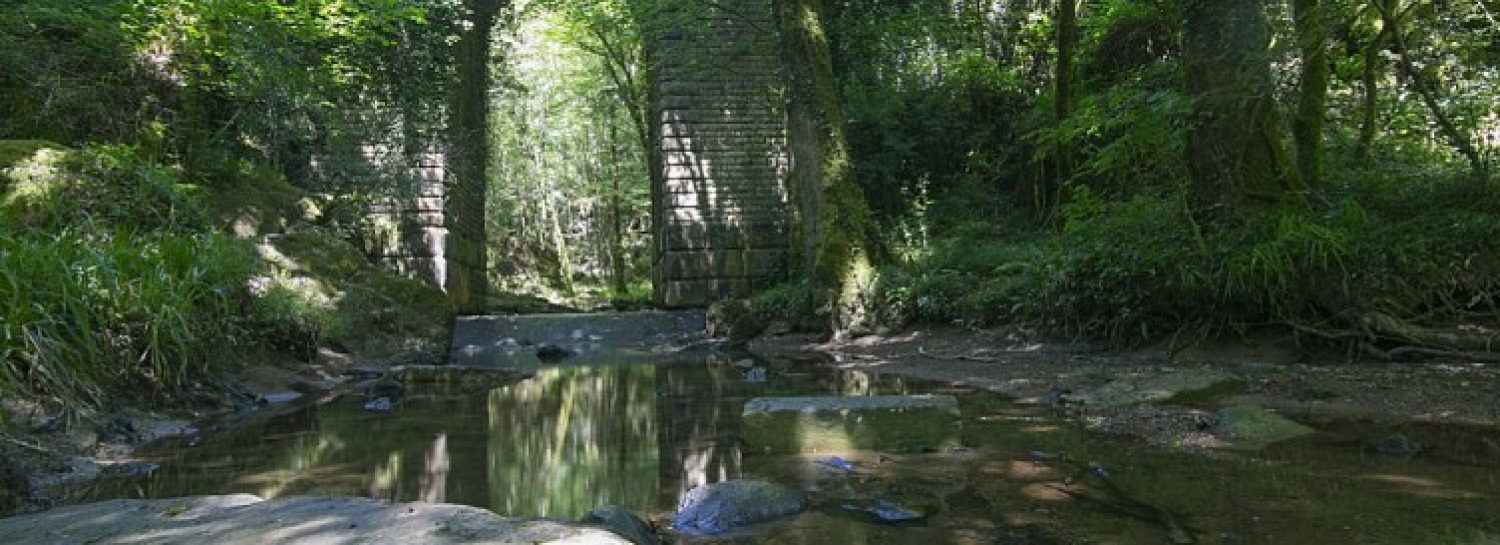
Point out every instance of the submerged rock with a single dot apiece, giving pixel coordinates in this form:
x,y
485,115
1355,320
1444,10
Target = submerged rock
x,y
887,511
1186,383
379,405
131,469
719,507
623,523
1252,426
1397,446
550,353
910,423
276,398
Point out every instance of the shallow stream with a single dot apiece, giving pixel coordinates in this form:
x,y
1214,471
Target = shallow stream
x,y
571,439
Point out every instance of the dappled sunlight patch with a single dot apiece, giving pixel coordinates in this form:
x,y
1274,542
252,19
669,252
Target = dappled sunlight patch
x,y
1422,486
1030,471
385,476
1047,492
1042,428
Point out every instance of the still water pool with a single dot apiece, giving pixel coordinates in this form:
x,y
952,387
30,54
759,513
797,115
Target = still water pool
x,y
571,439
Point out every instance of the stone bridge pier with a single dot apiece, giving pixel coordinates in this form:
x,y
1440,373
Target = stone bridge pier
x,y
719,207
719,201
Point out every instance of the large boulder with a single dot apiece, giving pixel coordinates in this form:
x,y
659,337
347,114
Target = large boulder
x,y
1172,386
622,522
243,519
720,507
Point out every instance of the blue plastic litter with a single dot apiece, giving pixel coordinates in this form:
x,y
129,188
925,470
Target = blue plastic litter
x,y
839,464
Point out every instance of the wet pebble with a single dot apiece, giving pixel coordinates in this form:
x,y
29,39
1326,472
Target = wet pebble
x,y
1397,446
276,398
379,405
548,352
132,469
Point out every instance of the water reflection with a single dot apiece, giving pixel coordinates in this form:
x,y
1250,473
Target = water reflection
x,y
640,436
572,439
557,445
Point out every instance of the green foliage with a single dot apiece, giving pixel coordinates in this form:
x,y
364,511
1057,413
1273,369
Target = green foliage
x,y
1136,270
571,183
321,291
1127,138
928,99
1127,271
101,185
68,71
793,303
88,315
977,273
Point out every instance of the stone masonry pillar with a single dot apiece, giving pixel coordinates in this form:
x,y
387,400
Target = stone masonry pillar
x,y
720,214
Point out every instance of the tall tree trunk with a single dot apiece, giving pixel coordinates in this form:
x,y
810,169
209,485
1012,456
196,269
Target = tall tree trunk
x,y
1370,96
1235,154
617,223
1312,92
1062,88
469,146
832,221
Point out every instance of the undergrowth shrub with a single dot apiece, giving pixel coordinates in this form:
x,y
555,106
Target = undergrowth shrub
x,y
109,185
1422,248
1125,271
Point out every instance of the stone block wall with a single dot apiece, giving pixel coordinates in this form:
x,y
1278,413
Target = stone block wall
x,y
407,233
719,212
417,234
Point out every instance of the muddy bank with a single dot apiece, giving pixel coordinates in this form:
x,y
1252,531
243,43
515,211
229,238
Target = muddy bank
x,y
1270,373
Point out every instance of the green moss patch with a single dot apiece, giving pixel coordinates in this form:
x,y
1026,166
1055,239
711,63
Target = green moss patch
x,y
335,296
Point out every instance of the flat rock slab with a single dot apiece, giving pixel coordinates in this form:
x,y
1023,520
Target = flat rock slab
x,y
1253,426
1159,388
591,338
833,424
244,519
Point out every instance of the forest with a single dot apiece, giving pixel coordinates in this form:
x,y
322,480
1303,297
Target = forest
x,y
1120,171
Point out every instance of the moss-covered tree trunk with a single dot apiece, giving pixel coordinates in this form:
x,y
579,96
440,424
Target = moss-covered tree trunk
x,y
468,159
1312,92
1235,153
1369,102
832,227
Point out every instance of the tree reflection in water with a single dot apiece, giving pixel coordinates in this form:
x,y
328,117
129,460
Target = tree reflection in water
x,y
572,439
435,478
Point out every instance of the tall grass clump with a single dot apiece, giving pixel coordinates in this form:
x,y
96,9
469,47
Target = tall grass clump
x,y
1126,271
91,315
111,282
976,272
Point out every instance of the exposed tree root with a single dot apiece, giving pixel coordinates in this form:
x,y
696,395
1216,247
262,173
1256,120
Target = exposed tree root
x,y
1369,329
956,357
